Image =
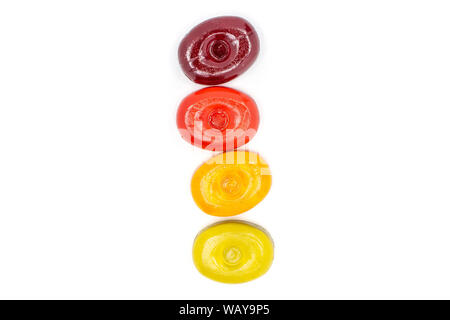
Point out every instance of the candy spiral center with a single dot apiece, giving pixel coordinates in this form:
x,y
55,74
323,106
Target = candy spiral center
x,y
232,256
231,186
218,119
219,50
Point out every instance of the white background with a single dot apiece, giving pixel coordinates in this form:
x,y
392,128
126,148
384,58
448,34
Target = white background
x,y
354,99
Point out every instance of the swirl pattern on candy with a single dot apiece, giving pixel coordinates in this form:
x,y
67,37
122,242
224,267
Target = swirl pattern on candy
x,y
233,252
218,50
218,118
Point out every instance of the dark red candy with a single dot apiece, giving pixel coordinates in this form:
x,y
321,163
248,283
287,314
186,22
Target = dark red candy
x,y
218,50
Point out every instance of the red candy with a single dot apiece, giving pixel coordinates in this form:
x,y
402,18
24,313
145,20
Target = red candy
x,y
218,118
218,50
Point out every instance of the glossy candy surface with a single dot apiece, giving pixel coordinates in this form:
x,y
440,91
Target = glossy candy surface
x,y
218,118
218,50
233,252
231,183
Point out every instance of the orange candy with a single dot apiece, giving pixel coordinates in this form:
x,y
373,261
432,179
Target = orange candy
x,y
231,183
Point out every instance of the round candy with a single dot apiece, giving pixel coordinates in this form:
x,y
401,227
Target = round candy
x,y
233,252
218,50
231,183
218,118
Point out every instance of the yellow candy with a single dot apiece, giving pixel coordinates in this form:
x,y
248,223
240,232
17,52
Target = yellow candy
x,y
231,183
233,252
